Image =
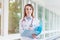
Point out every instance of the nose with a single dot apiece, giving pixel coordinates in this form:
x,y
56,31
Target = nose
x,y
28,11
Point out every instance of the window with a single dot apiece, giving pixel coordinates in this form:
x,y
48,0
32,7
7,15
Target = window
x,y
50,20
40,12
47,35
54,22
47,19
15,14
41,36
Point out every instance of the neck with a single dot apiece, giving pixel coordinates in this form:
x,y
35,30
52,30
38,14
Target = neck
x,y
29,16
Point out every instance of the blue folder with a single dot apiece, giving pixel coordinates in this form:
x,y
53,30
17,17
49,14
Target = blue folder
x,y
38,29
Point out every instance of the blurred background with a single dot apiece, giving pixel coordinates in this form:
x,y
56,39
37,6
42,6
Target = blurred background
x,y
46,10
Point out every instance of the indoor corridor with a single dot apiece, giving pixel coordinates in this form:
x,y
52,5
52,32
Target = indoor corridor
x,y
11,11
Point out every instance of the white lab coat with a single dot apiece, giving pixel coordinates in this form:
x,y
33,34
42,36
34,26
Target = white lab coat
x,y
25,25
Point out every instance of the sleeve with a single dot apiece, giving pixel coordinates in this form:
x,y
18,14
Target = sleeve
x,y
35,22
20,26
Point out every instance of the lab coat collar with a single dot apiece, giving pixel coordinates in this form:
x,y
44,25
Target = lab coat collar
x,y
26,18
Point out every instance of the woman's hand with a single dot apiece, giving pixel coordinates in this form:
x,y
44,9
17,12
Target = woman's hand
x,y
34,36
30,28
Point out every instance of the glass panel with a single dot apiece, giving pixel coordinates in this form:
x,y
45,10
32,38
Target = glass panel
x,y
54,22
15,14
50,20
41,36
53,34
40,11
39,14
58,23
46,19
47,35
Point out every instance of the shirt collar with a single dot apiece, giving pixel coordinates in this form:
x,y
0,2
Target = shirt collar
x,y
28,18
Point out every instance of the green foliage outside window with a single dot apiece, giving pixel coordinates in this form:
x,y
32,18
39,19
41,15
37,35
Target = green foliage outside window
x,y
15,14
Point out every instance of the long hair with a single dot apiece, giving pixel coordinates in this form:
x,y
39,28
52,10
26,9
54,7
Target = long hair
x,y
25,10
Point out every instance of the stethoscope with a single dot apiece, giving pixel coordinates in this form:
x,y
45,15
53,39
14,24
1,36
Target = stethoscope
x,y
28,18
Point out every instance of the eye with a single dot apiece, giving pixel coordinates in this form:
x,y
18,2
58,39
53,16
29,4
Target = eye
x,y
30,9
27,9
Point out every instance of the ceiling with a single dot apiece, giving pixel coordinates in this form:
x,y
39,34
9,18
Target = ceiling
x,y
53,5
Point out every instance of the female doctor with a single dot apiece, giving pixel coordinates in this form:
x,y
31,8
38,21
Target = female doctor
x,y
28,22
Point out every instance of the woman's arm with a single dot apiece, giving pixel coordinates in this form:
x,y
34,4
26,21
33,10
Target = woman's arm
x,y
20,26
35,24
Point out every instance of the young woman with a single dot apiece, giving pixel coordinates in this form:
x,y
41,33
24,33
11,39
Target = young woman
x,y
28,22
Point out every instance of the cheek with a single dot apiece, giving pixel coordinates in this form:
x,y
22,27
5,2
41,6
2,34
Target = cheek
x,y
26,11
31,12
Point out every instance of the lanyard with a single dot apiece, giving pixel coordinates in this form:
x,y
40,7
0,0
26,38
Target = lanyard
x,y
31,23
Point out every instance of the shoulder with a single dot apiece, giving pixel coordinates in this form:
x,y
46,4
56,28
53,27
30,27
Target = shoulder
x,y
36,19
22,19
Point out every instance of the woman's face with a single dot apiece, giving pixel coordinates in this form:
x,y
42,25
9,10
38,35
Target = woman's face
x,y
28,10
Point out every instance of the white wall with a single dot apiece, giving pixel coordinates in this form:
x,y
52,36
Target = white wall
x,y
53,5
41,2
